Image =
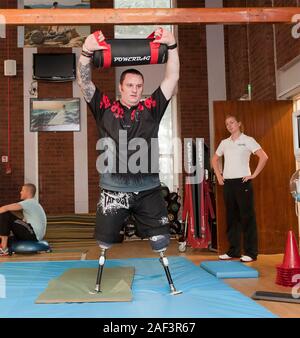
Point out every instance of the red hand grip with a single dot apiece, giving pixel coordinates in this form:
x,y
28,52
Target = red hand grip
x,y
100,43
106,51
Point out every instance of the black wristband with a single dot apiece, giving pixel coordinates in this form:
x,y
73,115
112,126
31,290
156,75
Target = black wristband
x,y
86,54
173,46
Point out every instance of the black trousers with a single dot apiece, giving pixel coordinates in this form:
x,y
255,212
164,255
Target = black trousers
x,y
240,215
10,223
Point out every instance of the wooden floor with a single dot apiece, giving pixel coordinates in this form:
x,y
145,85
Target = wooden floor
x,y
266,265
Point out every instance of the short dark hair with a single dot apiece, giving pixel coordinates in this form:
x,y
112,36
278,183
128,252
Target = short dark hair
x,y
31,187
55,3
130,71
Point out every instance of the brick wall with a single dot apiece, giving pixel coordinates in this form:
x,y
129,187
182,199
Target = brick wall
x,y
287,47
250,52
104,79
10,183
56,149
262,66
193,87
55,153
236,61
250,56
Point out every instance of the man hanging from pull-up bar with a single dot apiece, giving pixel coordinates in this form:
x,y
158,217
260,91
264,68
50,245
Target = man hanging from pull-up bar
x,y
125,192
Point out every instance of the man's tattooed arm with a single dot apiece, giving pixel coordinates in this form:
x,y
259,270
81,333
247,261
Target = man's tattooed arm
x,y
84,78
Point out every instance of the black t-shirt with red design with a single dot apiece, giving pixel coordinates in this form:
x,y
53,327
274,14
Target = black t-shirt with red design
x,y
129,156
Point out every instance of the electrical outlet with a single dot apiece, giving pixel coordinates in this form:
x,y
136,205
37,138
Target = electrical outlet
x,y
10,67
4,158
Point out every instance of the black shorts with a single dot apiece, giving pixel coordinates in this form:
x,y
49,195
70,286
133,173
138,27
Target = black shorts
x,y
10,223
114,208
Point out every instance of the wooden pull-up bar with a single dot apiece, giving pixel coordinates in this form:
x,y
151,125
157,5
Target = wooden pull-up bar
x,y
131,16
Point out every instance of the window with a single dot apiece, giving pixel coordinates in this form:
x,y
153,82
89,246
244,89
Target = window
x,y
138,31
166,130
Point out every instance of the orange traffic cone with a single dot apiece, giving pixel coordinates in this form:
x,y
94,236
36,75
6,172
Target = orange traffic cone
x,y
291,263
291,257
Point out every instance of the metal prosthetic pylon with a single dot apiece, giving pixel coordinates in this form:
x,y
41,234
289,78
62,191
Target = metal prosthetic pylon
x,y
165,263
100,270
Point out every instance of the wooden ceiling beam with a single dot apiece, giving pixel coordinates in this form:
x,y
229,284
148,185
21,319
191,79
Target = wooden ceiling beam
x,y
149,16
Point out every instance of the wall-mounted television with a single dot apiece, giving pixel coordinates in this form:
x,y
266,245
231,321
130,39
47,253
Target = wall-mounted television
x,y
58,67
55,114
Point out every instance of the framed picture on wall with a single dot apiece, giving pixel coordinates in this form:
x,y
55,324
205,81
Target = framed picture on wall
x,y
55,114
55,35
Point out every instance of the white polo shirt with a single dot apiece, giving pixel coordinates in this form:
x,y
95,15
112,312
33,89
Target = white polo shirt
x,y
237,155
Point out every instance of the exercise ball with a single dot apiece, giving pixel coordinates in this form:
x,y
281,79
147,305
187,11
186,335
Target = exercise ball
x,y
28,247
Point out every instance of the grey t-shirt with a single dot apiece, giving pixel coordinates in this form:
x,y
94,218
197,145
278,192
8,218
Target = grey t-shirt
x,y
35,215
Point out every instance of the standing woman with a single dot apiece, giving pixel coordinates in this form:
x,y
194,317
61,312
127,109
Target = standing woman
x,y
238,191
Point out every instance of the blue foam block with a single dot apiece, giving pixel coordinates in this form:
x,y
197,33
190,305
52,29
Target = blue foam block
x,y
229,269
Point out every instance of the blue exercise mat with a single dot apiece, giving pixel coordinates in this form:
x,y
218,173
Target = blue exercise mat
x,y
203,295
229,269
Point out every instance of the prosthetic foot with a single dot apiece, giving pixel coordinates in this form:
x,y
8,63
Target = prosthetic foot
x,y
165,263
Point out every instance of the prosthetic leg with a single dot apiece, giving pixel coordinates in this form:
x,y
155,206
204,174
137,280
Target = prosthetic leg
x,y
159,244
102,258
165,263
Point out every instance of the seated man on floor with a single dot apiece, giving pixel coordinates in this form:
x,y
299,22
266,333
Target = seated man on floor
x,y
33,225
